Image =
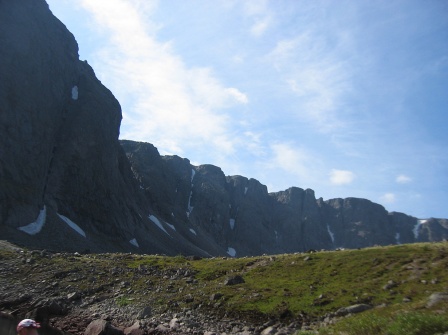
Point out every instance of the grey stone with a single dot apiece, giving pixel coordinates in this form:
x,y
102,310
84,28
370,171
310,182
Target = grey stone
x,y
102,327
353,309
235,280
437,298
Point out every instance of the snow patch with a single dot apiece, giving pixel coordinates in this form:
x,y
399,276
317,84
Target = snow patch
x,y
72,225
231,251
232,223
416,229
245,189
192,231
190,208
171,226
35,227
75,92
134,242
158,223
331,233
397,238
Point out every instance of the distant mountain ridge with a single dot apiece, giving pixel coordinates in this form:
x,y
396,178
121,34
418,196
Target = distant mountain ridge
x,y
68,183
243,218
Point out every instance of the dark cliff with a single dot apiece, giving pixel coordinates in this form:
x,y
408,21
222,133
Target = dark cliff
x,y
67,183
240,216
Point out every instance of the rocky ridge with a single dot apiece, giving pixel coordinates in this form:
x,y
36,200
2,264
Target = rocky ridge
x,y
240,216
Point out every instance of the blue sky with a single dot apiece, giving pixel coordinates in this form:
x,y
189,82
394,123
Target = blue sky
x,y
348,98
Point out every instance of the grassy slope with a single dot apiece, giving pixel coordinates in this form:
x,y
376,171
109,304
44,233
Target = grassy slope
x,y
275,286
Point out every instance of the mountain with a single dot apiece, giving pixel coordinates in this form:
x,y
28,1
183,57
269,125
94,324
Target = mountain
x,y
244,219
68,183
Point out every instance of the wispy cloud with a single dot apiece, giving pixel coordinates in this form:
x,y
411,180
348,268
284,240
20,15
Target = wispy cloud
x,y
172,105
388,198
258,11
403,179
295,161
320,78
341,177
260,26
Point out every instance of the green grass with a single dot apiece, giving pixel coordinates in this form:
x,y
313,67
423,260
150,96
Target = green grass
x,y
281,286
340,278
403,323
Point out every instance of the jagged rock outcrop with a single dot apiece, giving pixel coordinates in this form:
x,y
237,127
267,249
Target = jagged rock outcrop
x,y
67,183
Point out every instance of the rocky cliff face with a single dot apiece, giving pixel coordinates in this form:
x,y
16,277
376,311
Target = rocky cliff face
x,y
67,183
238,214
60,157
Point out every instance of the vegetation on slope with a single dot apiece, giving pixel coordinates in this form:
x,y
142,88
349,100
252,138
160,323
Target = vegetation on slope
x,y
397,281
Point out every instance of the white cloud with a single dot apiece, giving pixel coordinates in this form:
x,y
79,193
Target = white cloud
x,y
260,26
388,198
259,12
296,161
403,179
341,177
237,95
253,8
314,70
171,105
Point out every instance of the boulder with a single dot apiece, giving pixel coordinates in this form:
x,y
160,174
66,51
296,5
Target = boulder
x,y
358,308
134,329
436,298
235,280
102,327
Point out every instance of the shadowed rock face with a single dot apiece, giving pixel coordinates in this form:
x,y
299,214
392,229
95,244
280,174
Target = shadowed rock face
x,y
63,170
60,158
59,126
238,213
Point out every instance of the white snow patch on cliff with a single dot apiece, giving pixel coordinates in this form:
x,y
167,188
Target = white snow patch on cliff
x,y
232,223
190,208
75,92
72,225
231,251
171,226
35,227
245,189
158,223
193,231
330,232
134,242
397,238
417,226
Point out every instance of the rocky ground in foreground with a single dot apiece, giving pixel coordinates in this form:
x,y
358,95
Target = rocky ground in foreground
x,y
29,288
133,294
